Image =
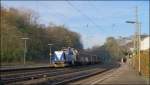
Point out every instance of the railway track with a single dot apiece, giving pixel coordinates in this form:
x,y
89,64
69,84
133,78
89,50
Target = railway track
x,y
66,78
19,70
53,76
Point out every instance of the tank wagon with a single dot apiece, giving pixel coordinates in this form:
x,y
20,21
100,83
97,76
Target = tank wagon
x,y
70,56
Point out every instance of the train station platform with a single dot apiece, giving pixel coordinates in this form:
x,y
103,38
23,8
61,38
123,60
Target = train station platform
x,y
125,75
122,75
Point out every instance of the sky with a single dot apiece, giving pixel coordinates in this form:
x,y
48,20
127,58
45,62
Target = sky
x,y
93,20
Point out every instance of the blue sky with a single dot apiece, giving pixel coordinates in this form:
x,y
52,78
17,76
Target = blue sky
x,y
94,20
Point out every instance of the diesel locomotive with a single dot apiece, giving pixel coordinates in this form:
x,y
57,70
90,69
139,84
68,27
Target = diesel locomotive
x,y
70,56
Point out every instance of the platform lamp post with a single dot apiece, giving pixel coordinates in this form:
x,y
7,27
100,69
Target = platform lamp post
x,y
25,49
134,43
137,40
133,22
50,45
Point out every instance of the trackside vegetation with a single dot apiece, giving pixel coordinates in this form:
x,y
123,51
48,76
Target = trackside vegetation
x,y
19,23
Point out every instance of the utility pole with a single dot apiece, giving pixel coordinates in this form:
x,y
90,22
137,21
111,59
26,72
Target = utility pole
x,y
138,39
139,47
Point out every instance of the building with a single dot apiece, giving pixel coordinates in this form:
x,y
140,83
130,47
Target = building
x,y
145,43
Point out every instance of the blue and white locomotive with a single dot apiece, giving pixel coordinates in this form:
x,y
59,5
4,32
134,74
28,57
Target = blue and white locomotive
x,y
71,56
64,57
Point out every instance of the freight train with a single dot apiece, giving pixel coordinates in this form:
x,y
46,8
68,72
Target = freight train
x,y
70,57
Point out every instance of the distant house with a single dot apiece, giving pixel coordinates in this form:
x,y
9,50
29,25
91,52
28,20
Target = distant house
x,y
145,43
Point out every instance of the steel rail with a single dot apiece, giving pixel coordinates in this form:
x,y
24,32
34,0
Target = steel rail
x,y
41,74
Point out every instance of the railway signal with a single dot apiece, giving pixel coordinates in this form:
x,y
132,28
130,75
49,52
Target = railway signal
x,y
50,45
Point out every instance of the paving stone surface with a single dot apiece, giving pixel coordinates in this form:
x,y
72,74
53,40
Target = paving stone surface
x,y
122,75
